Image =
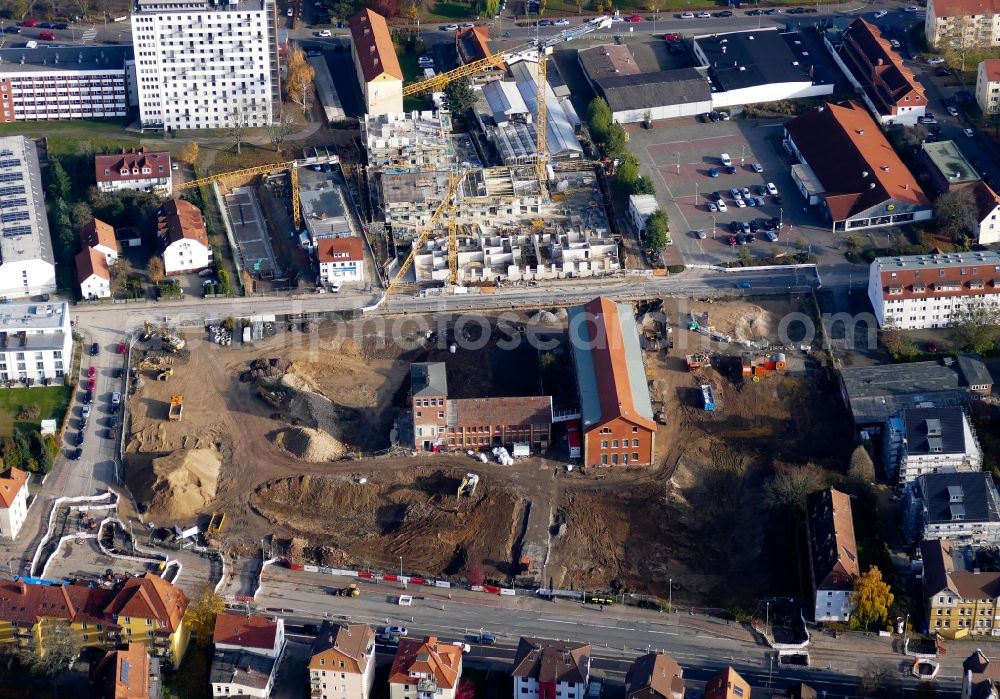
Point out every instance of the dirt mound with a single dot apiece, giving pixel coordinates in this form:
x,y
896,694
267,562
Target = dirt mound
x,y
179,485
415,514
308,444
265,369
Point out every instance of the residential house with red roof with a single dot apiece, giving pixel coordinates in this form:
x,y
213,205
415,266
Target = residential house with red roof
x,y
257,634
425,668
964,24
654,676
551,669
833,553
144,609
961,588
376,64
728,684
13,501
988,85
849,169
341,259
615,409
342,661
136,169
887,86
126,673
441,420
93,274
101,236
183,237
473,44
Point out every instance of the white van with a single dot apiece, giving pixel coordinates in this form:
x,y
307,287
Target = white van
x,y
726,160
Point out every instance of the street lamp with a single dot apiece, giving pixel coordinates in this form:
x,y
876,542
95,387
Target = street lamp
x,y
400,566
767,616
713,227
696,184
678,154
670,595
781,217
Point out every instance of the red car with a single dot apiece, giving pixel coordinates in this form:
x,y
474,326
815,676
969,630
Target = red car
x,y
634,18
46,36
91,384
91,372
672,37
121,348
29,23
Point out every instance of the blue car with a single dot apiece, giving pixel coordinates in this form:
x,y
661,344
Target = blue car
x,y
751,201
714,172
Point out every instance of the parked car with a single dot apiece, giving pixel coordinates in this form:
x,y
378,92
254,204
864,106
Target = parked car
x,y
121,348
926,120
634,18
324,33
969,132
704,15
713,206
464,646
771,236
80,436
745,191
740,204
932,346
60,26
935,60
671,37
717,196
91,384
731,239
44,25
116,398
756,167
561,23
894,43
12,30
722,207
396,630
881,13
686,15
91,372
771,189
387,639
700,235
95,349
88,398
77,453
753,13
911,8
713,172
741,239
29,23
726,160
724,116
953,111
731,169
452,27
544,23
724,13
485,638
751,201
85,412
714,116
735,193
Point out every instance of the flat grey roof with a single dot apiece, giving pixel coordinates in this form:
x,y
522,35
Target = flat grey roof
x,y
64,58
24,226
648,90
324,208
750,58
875,393
15,317
241,668
952,259
950,162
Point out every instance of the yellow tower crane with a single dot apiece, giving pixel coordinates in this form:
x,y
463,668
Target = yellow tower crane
x,y
293,172
543,48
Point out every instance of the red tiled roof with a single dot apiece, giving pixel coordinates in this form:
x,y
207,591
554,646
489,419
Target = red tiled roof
x,y
373,44
133,161
986,200
529,410
951,8
831,540
149,597
853,160
441,660
97,232
879,69
722,686
113,681
245,631
27,604
178,220
88,262
11,482
611,365
474,42
334,249
991,66
552,661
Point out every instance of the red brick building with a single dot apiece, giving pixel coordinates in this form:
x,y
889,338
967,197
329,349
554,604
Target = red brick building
x,y
440,422
617,415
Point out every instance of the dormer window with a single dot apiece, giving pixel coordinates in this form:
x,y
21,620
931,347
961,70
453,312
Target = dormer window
x,y
146,171
919,288
895,290
124,171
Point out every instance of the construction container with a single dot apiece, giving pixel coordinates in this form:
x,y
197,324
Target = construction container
x,y
707,397
176,407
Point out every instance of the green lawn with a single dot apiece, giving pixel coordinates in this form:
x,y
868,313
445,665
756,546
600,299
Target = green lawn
x,y
53,401
76,137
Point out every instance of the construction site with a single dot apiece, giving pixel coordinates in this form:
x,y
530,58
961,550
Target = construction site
x,y
254,431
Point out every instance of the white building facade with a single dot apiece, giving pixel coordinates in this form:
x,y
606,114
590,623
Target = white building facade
x,y
962,24
924,291
341,259
935,439
988,86
203,65
36,342
13,501
27,264
530,688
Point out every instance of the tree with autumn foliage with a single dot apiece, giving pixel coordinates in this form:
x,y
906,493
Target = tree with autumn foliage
x,y
201,613
300,84
872,600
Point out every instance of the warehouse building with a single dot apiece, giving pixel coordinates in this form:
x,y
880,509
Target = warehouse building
x,y
79,82
760,65
27,264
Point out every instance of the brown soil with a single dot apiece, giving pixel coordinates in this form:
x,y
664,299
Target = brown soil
x,y
178,486
414,514
308,444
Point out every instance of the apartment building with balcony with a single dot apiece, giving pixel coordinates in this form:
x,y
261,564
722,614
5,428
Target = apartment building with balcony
x,y
36,343
927,440
66,82
988,85
206,65
924,291
13,501
960,506
962,24
425,669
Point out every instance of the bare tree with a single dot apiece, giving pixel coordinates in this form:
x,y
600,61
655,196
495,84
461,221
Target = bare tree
x,y
54,654
279,129
239,118
300,84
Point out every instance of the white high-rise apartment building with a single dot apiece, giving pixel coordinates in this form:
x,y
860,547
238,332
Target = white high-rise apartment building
x,y
206,64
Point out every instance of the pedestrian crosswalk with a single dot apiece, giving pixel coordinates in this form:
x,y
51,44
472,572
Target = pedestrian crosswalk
x,y
88,35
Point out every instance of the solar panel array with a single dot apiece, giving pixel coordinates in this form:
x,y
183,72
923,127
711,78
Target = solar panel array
x,y
14,209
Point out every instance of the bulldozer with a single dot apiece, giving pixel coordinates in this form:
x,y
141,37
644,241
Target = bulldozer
x,y
351,590
151,363
148,331
468,485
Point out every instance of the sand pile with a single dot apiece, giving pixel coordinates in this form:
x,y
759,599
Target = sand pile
x,y
180,485
309,444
